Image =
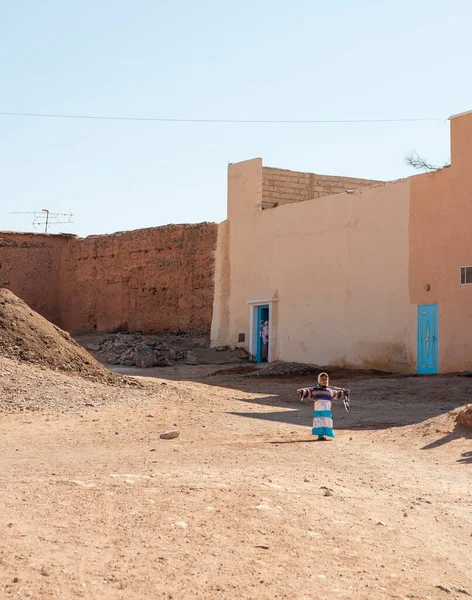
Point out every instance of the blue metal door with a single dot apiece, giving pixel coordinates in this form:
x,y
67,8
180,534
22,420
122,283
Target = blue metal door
x,y
428,338
262,334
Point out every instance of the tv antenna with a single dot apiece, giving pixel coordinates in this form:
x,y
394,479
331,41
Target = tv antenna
x,y
46,218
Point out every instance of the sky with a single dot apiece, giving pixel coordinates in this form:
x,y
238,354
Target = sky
x,y
213,59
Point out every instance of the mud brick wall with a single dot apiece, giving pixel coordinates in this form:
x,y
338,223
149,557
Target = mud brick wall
x,y
280,186
151,280
30,268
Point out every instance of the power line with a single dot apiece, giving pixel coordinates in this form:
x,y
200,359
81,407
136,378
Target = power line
x,y
221,121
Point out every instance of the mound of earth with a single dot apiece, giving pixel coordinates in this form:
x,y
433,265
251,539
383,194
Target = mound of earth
x,y
286,369
280,369
241,370
27,336
28,387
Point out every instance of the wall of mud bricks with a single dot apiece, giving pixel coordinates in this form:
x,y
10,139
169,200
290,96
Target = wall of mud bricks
x,y
30,267
150,280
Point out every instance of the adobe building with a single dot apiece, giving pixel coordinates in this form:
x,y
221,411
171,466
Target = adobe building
x,y
349,272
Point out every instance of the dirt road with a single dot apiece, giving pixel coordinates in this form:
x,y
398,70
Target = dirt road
x,y
243,504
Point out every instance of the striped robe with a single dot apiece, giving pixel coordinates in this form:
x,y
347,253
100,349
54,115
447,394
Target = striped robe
x,y
322,416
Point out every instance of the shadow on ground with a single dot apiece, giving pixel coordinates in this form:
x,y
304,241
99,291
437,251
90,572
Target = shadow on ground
x,y
377,401
466,458
458,432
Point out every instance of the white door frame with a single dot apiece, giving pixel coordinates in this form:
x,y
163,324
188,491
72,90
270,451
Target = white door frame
x,y
254,329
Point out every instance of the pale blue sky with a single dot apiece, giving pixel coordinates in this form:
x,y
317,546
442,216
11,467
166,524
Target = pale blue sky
x,y
252,59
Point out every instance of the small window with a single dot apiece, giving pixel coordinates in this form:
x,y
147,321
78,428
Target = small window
x,y
466,275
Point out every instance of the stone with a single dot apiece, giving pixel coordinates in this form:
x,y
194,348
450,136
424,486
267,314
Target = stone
x,y
160,360
92,346
191,359
129,362
112,358
128,358
144,357
170,435
169,353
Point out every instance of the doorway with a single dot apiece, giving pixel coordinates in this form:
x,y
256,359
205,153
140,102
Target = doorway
x,y
262,328
428,338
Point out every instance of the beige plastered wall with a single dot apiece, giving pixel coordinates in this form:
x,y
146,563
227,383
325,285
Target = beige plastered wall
x,y
338,266
440,243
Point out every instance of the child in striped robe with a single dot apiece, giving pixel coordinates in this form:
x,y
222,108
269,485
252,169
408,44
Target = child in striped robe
x,y
322,395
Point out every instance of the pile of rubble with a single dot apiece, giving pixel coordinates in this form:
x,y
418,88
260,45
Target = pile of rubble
x,y
134,351
280,368
144,351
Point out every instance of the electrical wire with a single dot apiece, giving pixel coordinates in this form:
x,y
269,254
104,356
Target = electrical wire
x,y
221,121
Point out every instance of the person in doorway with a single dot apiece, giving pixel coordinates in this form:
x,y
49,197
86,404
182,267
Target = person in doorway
x,y
323,394
265,340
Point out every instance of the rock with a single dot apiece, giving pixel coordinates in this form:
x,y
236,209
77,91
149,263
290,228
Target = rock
x,y
170,435
465,416
169,353
144,357
112,358
118,347
160,360
191,359
161,346
92,346
128,358
129,362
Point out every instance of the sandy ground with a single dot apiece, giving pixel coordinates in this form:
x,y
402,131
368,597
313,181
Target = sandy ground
x,y
243,504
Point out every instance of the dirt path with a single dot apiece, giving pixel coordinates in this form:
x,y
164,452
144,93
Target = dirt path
x,y
94,505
